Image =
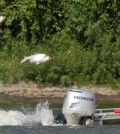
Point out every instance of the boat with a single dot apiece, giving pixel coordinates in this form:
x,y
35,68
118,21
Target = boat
x,y
79,108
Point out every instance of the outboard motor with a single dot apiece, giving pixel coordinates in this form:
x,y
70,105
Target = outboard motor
x,y
78,105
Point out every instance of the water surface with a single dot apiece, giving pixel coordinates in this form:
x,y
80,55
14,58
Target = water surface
x,y
39,129
24,118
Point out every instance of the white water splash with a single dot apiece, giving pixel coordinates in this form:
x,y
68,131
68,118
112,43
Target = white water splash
x,y
42,115
46,115
11,118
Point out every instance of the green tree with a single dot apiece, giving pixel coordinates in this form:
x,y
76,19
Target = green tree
x,y
34,20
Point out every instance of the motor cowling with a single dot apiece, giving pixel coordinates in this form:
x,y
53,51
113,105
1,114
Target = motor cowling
x,y
78,103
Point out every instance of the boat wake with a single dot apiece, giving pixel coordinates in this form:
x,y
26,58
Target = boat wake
x,y
42,114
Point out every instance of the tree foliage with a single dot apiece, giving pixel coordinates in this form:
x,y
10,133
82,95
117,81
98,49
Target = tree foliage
x,y
81,36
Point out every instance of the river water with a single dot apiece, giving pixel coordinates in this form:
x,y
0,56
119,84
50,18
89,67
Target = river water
x,y
39,120
39,129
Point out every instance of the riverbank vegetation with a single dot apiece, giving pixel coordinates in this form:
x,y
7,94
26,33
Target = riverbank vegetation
x,y
82,37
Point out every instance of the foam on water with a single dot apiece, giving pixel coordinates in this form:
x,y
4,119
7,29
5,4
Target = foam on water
x,y
42,114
